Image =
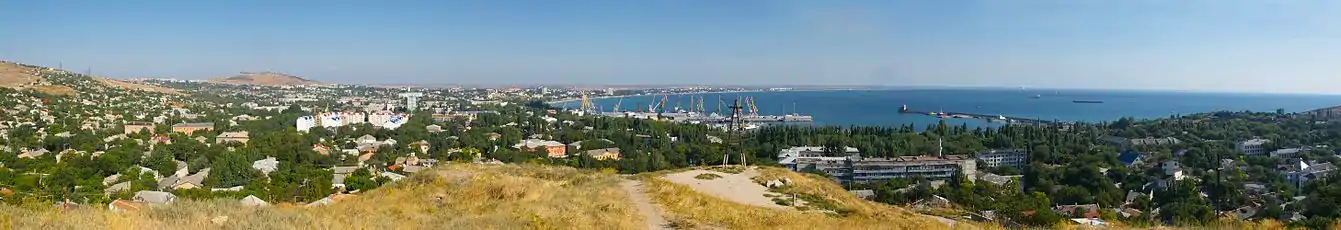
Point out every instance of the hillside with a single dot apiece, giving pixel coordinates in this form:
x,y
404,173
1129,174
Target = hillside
x,y
454,196
472,196
264,78
693,201
61,82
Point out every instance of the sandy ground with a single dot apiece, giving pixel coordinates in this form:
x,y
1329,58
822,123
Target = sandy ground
x,y
650,212
733,187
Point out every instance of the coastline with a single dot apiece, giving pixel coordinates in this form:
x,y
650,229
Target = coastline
x,y
718,92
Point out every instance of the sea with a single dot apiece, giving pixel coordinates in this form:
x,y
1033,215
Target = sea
x,y
881,107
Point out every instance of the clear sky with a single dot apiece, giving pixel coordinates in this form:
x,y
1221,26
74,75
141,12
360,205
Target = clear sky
x,y
1222,45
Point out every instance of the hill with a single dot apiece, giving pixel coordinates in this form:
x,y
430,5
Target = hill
x,y
730,198
472,196
61,82
452,196
264,78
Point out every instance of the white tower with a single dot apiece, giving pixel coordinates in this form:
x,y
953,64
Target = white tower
x,y
411,100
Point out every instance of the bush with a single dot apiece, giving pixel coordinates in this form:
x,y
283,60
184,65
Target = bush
x,y
707,176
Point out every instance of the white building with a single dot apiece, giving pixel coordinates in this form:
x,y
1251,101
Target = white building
x,y
306,123
330,120
1252,147
1173,170
394,122
353,117
813,151
1017,158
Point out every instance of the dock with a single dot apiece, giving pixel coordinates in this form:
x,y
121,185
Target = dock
x,y
989,118
700,118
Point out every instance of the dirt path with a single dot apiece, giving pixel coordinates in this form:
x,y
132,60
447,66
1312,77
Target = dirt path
x,y
738,188
645,206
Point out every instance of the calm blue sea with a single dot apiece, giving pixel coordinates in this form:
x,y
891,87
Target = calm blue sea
x,y
881,107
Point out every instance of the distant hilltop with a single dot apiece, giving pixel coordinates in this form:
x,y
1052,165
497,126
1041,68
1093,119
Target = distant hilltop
x,y
264,78
24,76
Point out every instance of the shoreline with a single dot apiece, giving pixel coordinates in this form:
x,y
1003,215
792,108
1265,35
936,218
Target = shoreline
x,y
678,94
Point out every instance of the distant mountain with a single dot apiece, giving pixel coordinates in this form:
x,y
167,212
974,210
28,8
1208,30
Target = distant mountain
x,y
264,78
61,82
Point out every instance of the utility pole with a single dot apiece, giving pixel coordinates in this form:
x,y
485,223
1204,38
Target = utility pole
x,y
737,125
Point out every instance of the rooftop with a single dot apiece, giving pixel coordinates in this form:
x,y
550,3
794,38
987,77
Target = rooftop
x,y
205,124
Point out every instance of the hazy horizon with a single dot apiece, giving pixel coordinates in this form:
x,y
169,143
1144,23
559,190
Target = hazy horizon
x,y
1204,46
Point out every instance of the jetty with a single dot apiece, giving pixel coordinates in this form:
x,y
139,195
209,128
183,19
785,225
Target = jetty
x,y
989,118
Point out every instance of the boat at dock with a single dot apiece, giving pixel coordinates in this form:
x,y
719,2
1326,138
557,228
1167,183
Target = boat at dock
x,y
1087,101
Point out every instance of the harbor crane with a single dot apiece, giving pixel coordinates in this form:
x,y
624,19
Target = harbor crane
x,y
586,103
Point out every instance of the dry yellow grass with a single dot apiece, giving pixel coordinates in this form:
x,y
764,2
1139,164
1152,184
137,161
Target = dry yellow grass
x,y
14,75
473,197
140,87
56,90
692,209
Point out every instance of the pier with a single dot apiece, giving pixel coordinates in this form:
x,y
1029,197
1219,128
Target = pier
x,y
700,118
989,118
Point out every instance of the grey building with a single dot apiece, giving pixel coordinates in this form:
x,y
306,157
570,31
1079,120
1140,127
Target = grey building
x,y
929,167
1017,158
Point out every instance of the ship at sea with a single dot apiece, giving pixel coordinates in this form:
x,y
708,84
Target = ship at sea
x,y
1087,101
1036,96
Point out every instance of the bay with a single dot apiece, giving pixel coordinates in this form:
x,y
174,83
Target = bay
x,y
881,107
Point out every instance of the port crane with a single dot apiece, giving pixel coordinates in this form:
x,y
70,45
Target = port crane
x,y
661,106
586,103
754,110
621,102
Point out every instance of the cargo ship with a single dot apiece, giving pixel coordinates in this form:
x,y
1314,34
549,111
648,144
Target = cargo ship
x,y
1087,101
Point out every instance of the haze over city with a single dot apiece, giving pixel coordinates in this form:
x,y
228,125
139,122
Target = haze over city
x,y
1242,46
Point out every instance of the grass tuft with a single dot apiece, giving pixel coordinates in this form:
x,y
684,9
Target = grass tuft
x,y
707,176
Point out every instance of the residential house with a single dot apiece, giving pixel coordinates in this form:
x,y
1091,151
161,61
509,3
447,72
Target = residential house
x,y
125,206
266,166
578,144
1131,158
997,180
253,201
493,136
1252,147
420,146
1080,211
34,153
119,187
434,128
392,176
604,154
187,182
321,149
154,197
137,126
864,194
553,148
1309,173
190,128
339,173
239,136
1173,170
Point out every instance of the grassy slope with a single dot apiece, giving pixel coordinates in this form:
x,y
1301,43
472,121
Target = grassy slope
x,y
696,210
474,197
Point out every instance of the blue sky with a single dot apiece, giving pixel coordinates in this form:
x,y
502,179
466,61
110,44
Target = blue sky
x,y
1257,46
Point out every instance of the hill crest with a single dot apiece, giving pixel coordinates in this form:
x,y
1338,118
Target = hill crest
x,y
24,76
264,78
